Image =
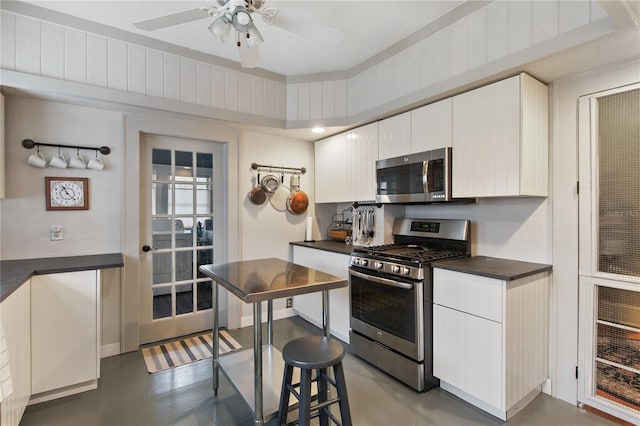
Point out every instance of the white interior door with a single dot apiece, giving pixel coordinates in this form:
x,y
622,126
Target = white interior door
x,y
182,226
609,252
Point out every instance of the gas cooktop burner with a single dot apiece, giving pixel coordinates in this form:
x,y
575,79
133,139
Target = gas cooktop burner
x,y
410,252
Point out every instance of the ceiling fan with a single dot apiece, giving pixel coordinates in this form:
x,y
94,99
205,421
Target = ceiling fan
x,y
237,15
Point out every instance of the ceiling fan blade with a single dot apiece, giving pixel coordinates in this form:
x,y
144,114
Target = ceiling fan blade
x,y
174,18
249,56
309,29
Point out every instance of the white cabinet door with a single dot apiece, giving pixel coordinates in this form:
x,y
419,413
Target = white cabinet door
x,y
2,178
64,329
431,126
486,140
394,136
467,353
500,138
15,312
309,306
345,166
330,164
363,143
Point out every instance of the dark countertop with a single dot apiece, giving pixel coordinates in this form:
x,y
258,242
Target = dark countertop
x,y
326,245
13,273
268,279
493,267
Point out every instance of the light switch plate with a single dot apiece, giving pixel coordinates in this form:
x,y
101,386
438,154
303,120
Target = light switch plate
x,y
55,232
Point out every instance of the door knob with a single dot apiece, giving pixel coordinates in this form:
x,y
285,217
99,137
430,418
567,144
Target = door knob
x,y
146,248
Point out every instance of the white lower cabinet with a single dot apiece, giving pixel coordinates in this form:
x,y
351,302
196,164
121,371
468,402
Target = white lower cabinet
x,y
65,334
490,338
309,306
15,313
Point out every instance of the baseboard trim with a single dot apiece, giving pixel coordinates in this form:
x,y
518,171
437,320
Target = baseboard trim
x,y
247,320
110,349
62,392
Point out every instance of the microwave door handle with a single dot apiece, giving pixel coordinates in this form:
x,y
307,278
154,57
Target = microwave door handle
x,y
425,176
383,281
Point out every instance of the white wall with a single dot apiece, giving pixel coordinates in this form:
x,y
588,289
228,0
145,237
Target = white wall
x,y
266,232
511,228
25,222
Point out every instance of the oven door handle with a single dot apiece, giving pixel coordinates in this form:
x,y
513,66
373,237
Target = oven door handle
x,y
383,281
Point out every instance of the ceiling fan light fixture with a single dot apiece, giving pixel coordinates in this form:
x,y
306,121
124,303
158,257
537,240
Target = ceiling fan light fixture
x,y
220,28
253,37
241,20
269,15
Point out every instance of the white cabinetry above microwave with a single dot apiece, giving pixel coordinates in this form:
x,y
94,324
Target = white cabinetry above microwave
x,y
346,166
394,136
500,140
431,126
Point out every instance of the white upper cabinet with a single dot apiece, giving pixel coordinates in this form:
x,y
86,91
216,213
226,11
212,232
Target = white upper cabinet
x,y
330,168
394,136
431,126
346,166
500,140
362,143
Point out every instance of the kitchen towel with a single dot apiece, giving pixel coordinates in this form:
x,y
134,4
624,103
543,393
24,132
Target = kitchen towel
x,y
167,355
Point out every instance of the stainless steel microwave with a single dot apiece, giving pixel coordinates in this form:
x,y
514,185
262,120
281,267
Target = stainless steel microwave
x,y
424,177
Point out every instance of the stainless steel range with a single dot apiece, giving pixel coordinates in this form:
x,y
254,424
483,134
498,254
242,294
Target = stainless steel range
x,y
391,297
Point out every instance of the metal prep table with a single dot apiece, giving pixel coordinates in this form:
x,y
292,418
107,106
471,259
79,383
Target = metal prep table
x,y
255,281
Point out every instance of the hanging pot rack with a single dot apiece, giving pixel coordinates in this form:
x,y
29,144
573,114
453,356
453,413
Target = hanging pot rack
x,y
256,166
30,144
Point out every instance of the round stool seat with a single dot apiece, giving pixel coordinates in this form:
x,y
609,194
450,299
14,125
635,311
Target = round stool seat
x,y
312,352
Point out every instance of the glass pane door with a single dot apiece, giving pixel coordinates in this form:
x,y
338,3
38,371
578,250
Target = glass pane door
x,y
182,224
619,183
181,218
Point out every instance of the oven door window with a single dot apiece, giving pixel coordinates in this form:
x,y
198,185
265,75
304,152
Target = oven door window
x,y
404,179
385,307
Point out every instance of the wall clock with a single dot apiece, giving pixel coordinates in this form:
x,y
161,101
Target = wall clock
x,y
67,193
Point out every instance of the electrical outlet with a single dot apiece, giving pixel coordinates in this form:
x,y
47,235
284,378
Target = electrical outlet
x,y
289,302
55,232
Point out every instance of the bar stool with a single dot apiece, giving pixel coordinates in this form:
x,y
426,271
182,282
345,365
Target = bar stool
x,y
314,353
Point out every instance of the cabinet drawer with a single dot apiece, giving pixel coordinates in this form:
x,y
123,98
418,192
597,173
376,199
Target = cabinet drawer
x,y
476,295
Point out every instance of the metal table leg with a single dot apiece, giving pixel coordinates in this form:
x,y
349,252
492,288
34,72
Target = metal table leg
x,y
270,322
258,417
216,339
326,329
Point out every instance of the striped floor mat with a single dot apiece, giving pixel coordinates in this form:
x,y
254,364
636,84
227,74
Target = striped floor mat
x,y
180,352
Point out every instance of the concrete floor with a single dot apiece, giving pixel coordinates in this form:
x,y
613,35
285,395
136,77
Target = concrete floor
x,y
128,395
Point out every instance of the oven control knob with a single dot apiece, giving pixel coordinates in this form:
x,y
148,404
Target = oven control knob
x,y
405,271
364,262
356,261
377,265
395,269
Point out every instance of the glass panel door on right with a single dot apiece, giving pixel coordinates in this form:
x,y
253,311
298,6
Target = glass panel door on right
x,y
619,183
609,346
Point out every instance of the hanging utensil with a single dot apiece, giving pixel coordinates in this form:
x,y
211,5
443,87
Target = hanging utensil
x,y
279,197
257,195
298,201
270,183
